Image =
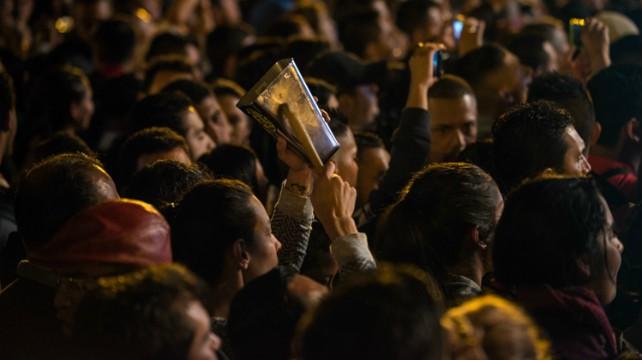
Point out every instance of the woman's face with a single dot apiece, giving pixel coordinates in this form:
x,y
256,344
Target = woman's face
x,y
604,282
265,246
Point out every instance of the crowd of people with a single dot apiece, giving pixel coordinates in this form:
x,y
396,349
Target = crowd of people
x,y
484,202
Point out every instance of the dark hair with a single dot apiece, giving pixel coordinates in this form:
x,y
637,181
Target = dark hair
x,y
61,143
7,100
627,50
52,191
389,314
53,95
164,183
367,140
547,225
194,90
140,315
413,13
167,43
571,94
617,97
358,30
209,219
338,126
528,139
147,141
223,43
427,226
172,63
230,161
322,90
477,64
161,110
529,48
224,87
480,154
450,87
114,41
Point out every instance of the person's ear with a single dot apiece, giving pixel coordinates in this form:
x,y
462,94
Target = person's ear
x,y
632,129
474,236
75,110
597,131
241,255
583,266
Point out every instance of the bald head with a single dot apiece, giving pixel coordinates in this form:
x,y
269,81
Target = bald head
x,y
54,190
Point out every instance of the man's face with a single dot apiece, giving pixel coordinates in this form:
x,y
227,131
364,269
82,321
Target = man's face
x,y
454,126
204,342
263,251
197,139
346,159
434,25
216,124
575,163
240,123
373,163
360,107
509,83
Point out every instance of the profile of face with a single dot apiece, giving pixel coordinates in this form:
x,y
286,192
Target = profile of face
x,y
346,158
360,107
554,61
453,127
373,164
82,111
575,162
205,343
263,250
239,122
604,282
216,124
197,139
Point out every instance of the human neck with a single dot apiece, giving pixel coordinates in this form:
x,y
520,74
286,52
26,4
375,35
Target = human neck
x,y
224,293
472,268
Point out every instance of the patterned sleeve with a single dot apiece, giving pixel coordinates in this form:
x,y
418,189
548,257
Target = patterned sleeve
x,y
292,224
352,254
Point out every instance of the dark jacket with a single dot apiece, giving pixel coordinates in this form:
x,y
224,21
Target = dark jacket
x,y
574,320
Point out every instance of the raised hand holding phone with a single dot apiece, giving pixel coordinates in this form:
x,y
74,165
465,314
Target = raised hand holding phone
x,y
422,73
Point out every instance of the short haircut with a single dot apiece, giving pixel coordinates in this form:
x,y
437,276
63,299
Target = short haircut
x,y
54,190
61,143
209,219
147,141
386,315
450,87
339,127
7,100
224,87
528,139
569,93
547,226
358,30
477,64
194,90
171,63
161,110
529,48
140,315
164,183
627,50
115,41
617,97
429,223
222,43
230,161
167,43
368,140
413,14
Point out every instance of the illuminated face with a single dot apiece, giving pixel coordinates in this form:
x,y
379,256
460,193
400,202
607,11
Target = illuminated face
x,y
197,139
216,124
373,164
453,126
575,162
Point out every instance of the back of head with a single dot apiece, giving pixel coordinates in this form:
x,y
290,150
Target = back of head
x,y
495,328
209,219
617,97
529,139
151,140
114,42
427,226
450,87
164,183
386,315
141,315
530,49
194,90
233,162
167,43
547,226
161,110
479,63
627,50
61,143
54,190
569,93
357,31
173,66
